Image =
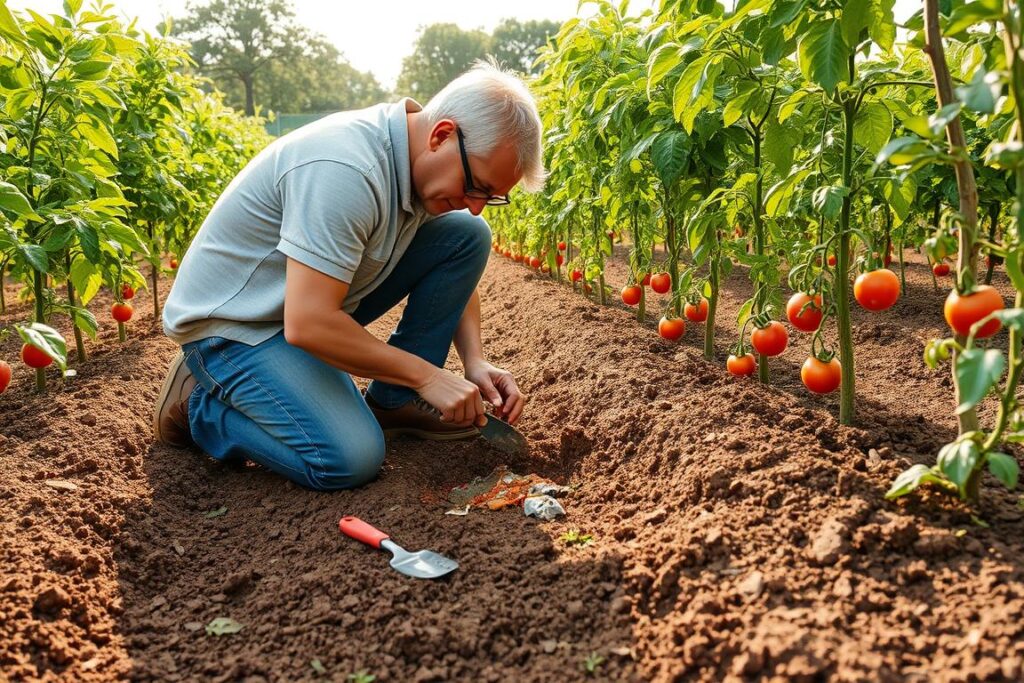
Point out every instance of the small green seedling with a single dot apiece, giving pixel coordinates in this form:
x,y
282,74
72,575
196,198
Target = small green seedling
x,y
361,676
318,667
576,537
216,513
592,663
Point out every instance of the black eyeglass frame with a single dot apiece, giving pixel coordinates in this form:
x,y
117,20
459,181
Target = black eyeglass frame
x,y
471,190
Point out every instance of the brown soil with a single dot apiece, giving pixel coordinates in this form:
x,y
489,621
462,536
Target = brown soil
x,y
740,532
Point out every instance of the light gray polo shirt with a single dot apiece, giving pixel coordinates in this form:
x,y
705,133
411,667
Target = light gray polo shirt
x,y
335,195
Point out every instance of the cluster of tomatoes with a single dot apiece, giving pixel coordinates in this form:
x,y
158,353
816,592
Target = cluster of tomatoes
x,y
669,327
535,262
122,311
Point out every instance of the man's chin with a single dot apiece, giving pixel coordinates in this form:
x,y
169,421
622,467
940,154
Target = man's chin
x,y
436,207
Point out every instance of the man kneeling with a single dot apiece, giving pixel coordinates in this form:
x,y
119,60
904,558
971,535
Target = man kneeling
x,y
324,231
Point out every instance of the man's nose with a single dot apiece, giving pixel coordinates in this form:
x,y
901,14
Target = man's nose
x,y
475,206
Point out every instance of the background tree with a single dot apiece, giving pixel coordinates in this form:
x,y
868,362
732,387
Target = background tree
x,y
315,78
515,43
239,38
441,53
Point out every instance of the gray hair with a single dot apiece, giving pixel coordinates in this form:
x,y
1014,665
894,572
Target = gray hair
x,y
494,106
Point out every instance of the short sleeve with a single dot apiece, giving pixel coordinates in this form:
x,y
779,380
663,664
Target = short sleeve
x,y
328,212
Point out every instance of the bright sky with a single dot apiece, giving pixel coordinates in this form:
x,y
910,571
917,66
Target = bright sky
x,y
363,29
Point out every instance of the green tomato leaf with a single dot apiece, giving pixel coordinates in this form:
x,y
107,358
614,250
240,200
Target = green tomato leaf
x,y
981,93
13,200
1004,468
856,17
882,26
35,256
9,26
977,371
84,320
86,279
957,460
873,126
911,478
824,55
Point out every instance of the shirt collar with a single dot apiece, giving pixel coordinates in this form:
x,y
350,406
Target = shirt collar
x,y
399,129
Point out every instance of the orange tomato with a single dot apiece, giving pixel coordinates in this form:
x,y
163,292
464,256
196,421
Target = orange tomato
x,y
697,313
805,319
631,295
661,283
877,290
121,312
34,357
963,311
671,328
741,365
770,340
820,377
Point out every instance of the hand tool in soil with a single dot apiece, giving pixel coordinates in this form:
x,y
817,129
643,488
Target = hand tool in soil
x,y
424,564
503,436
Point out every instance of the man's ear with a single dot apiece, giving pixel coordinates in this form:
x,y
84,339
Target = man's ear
x,y
442,130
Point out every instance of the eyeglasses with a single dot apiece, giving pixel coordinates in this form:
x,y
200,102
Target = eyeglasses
x,y
472,191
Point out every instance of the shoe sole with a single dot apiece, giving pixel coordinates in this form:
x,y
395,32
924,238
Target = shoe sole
x,y
433,436
165,390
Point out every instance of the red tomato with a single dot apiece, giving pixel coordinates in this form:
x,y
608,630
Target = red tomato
x,y
631,295
5,375
534,262
819,377
940,269
661,283
832,260
697,313
561,246
507,253
887,260
770,340
741,365
576,275
174,263
646,281
127,292
963,311
559,259
671,328
34,357
122,313
611,234
876,290
810,318
518,258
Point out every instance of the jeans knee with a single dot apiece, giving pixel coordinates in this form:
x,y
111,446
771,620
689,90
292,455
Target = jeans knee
x,y
475,233
352,464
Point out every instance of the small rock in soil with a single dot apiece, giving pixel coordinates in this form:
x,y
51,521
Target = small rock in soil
x,y
52,599
829,544
88,419
753,585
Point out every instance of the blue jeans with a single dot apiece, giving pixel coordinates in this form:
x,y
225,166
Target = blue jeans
x,y
287,410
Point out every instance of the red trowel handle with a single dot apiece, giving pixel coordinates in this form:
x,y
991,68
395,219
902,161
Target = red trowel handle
x,y
361,531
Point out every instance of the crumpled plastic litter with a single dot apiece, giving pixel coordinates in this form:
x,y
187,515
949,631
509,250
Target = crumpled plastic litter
x,y
542,507
503,488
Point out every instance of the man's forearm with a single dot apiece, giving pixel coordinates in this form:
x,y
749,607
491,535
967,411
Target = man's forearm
x,y
337,339
467,334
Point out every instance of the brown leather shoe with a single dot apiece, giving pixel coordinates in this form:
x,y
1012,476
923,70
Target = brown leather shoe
x,y
420,419
170,417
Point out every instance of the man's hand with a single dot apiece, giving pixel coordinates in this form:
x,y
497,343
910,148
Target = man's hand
x,y
498,388
457,399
